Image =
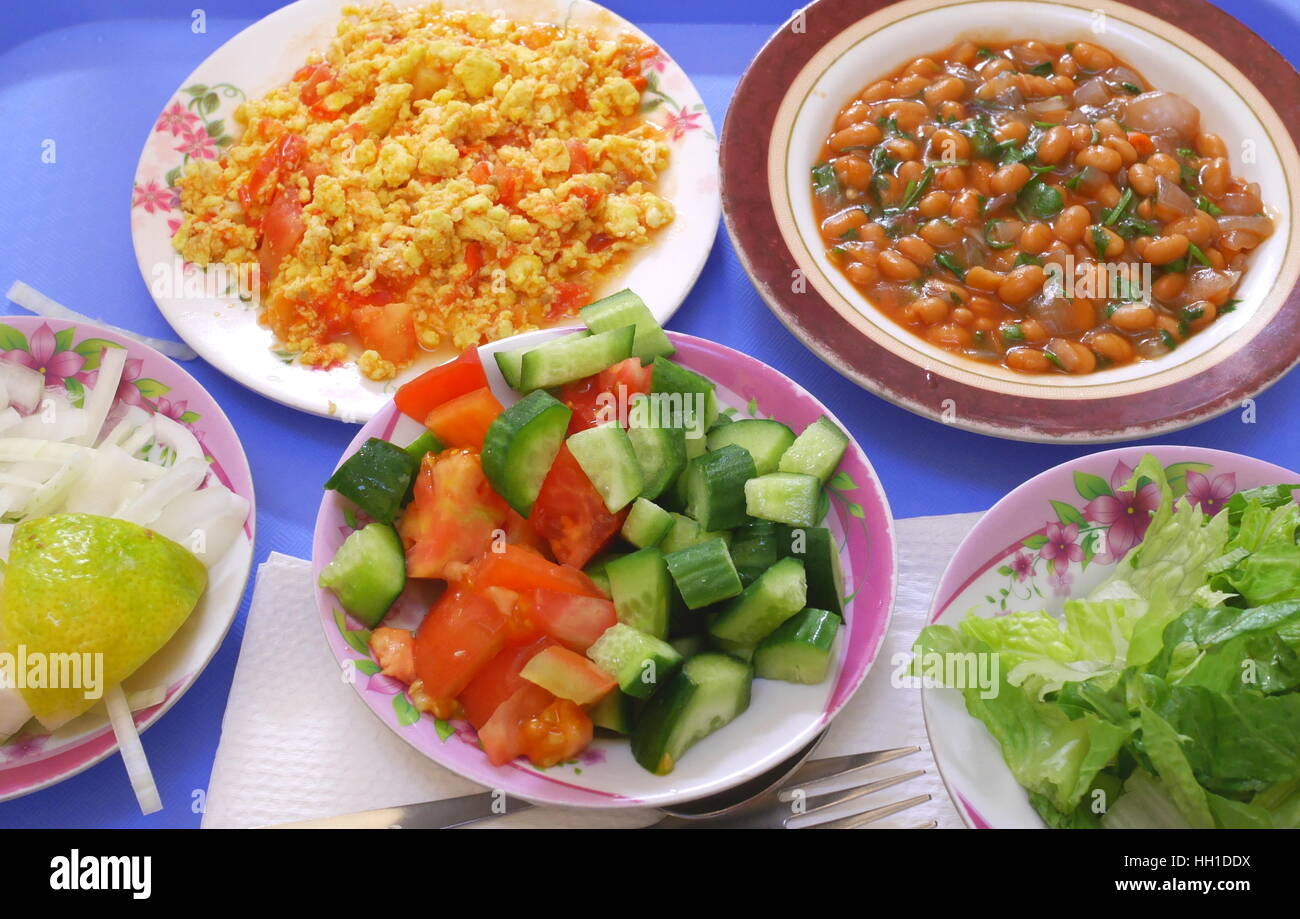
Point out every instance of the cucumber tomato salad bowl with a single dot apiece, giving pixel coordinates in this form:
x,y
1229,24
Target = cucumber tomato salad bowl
x,y
607,566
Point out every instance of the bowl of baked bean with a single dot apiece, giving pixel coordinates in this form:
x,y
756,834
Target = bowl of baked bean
x,y
1059,213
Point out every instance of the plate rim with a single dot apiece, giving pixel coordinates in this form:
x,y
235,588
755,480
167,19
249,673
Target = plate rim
x,y
183,685
924,390
834,705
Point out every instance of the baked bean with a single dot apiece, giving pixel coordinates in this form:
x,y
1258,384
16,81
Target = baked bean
x,y
1072,356
910,171
1162,164
952,111
980,176
1107,194
1142,179
856,113
1053,145
853,172
1064,84
1200,314
916,249
930,309
944,89
1016,131
1098,157
939,233
1170,327
900,148
859,134
981,278
966,207
1021,284
1128,156
1112,242
1112,346
861,273
1009,179
963,316
1035,237
949,335
1214,177
926,66
1071,223
1165,249
949,145
1092,57
909,115
950,178
985,307
897,267
1133,317
1168,286
1034,331
1200,228
935,204
1080,137
965,53
1028,360
842,222
874,234
1211,145
911,85
881,89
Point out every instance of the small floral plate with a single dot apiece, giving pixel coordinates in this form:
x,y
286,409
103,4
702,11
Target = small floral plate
x,y
68,353
782,717
1059,535
213,310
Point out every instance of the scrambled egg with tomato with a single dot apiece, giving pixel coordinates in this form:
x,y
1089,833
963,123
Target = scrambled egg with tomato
x,y
434,179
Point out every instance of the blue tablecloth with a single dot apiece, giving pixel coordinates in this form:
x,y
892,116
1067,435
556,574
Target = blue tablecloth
x,y
92,76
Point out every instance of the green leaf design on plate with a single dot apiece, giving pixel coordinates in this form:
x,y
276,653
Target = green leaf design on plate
x,y
1177,475
76,392
210,103
752,407
63,339
152,389
367,666
190,417
855,509
1068,514
358,639
350,518
443,728
214,128
196,89
407,714
1037,541
842,481
11,339
1005,571
1089,548
1090,486
172,177
91,349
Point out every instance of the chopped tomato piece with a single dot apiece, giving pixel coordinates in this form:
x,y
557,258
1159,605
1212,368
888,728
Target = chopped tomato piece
x,y
579,159
595,399
502,736
510,184
282,229
568,675
569,298
571,514
521,626
274,165
480,172
387,329
464,420
520,570
498,681
573,620
559,732
462,632
394,649
313,76
441,384
521,532
473,257
452,516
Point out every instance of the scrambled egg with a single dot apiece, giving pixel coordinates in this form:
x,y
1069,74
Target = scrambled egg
x,y
434,179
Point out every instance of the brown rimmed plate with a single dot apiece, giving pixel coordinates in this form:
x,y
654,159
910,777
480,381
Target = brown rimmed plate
x,y
823,56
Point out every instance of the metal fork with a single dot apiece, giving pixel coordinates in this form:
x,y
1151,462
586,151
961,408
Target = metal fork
x,y
779,798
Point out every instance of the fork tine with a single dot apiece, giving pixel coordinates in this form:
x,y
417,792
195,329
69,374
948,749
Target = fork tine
x,y
835,766
856,820
844,796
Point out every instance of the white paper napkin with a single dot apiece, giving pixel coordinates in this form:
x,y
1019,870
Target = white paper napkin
x,y
297,743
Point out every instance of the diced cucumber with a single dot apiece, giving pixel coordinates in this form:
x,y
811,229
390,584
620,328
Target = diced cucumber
x,y
368,572
709,692
799,651
696,445
715,487
511,363
377,478
646,524
520,446
756,547
616,712
765,439
673,378
734,648
639,662
660,451
816,547
606,455
817,451
558,362
778,594
623,309
784,497
642,590
596,569
689,645
704,573
427,442
686,532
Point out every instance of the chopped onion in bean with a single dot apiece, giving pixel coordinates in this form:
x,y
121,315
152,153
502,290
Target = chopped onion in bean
x,y
1163,111
1170,195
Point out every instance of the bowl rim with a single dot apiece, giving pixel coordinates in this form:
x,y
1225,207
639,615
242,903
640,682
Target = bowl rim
x,y
837,696
913,380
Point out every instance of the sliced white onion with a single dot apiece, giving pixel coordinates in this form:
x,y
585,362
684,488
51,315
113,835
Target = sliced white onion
x,y
1169,195
23,385
1163,111
141,699
8,418
50,496
52,422
14,712
185,476
128,742
173,434
1260,226
36,302
207,521
101,398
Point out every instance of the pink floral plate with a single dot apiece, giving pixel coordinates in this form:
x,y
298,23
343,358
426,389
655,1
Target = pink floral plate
x,y
68,353
214,311
1058,535
782,716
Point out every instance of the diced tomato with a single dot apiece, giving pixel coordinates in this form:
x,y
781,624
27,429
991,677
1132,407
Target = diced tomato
x,y
559,732
510,184
312,76
462,632
282,229
571,515
464,420
473,257
574,621
521,532
498,681
452,516
568,675
521,570
441,384
388,329
595,399
579,160
502,736
276,162
569,298
480,172
394,649
590,196
521,626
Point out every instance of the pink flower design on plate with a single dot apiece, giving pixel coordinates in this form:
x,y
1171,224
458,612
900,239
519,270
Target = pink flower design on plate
x,y
682,121
1126,513
153,197
1022,566
385,684
173,410
127,392
42,356
658,63
198,144
592,756
28,745
1211,496
1061,547
176,120
1061,581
